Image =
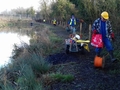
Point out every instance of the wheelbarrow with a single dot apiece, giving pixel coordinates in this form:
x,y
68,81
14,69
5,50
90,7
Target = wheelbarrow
x,y
76,46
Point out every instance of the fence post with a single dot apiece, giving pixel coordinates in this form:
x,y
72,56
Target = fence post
x,y
89,31
80,28
64,24
60,23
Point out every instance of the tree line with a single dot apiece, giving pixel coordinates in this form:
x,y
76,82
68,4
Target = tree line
x,y
61,10
88,10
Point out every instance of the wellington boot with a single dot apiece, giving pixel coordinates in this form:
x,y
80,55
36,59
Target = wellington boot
x,y
113,59
98,54
112,56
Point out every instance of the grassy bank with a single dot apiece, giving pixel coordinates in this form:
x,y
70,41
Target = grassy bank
x,y
28,69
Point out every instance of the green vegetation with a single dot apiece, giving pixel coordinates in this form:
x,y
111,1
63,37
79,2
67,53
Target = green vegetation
x,y
63,78
28,69
61,10
50,78
88,10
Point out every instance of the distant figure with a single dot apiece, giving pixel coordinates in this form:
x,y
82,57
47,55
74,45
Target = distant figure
x,y
72,23
44,20
54,22
31,24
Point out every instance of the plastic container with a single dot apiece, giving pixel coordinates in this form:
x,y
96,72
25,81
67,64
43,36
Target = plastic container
x,y
99,62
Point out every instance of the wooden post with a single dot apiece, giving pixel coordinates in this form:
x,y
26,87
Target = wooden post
x,y
57,23
60,23
64,24
80,28
89,31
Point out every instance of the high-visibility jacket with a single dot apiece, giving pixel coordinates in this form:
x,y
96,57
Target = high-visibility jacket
x,y
72,22
44,20
54,21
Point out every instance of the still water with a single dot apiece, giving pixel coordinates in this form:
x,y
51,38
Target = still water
x,y
7,42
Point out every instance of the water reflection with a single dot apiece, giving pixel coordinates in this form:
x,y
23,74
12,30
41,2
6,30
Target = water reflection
x,y
8,39
20,30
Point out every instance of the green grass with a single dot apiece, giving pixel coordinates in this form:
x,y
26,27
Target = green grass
x,y
62,77
23,72
52,77
26,79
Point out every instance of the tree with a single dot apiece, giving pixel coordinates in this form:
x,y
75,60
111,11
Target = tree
x,y
62,9
30,12
45,9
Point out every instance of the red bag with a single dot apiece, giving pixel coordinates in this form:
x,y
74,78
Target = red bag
x,y
96,40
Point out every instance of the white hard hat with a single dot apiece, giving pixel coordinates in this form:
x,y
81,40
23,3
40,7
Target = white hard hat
x,y
77,36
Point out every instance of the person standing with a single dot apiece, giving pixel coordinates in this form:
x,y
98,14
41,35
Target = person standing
x,y
54,22
72,24
102,26
44,21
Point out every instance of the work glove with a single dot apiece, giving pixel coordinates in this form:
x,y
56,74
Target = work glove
x,y
95,32
112,36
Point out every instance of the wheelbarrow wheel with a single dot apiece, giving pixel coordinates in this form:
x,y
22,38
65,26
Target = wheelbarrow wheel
x,y
82,50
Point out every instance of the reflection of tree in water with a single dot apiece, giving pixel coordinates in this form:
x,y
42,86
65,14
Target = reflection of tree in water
x,y
24,30
19,30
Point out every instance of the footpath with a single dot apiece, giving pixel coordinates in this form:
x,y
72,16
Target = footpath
x,y
86,76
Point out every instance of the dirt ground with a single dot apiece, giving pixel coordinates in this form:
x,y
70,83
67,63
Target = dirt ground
x,y
86,76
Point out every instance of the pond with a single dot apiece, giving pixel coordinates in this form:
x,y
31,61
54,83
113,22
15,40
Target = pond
x,y
8,38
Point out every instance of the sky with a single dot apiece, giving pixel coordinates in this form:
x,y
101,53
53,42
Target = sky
x,y
7,5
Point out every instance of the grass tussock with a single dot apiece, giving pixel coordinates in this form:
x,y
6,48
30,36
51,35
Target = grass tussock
x,y
44,41
56,77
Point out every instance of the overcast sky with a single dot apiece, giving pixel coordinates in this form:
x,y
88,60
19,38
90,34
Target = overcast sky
x,y
13,4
